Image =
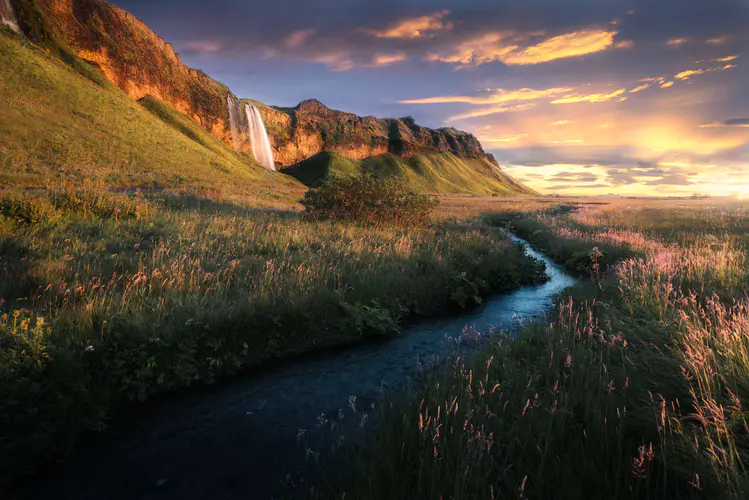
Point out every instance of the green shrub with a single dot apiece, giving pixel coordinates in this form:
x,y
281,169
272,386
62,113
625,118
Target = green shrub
x,y
370,200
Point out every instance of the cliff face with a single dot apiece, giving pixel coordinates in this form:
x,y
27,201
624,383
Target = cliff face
x,y
311,128
129,54
132,57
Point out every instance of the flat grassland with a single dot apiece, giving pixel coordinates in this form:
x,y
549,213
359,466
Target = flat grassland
x,y
633,388
112,297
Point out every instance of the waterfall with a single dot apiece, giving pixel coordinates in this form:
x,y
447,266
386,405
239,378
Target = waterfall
x,y
238,129
259,138
247,129
8,16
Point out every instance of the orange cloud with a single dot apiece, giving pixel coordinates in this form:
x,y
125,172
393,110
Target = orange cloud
x,y
574,98
717,41
417,27
676,42
386,59
507,47
726,59
624,44
498,96
666,85
685,75
577,43
489,47
492,111
640,88
509,138
569,141
561,122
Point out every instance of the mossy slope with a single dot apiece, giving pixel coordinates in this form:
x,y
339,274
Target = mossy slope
x,y
439,173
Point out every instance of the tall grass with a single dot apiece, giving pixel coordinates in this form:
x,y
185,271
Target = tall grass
x,y
110,297
635,388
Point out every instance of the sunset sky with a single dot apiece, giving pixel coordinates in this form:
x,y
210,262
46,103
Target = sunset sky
x,y
573,97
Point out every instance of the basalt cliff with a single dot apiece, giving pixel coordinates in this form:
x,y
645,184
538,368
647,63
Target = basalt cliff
x,y
311,128
112,47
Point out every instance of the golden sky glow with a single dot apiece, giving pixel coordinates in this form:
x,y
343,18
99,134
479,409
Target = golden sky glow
x,y
572,97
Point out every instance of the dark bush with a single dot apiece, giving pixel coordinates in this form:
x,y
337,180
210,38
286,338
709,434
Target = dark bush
x,y
367,199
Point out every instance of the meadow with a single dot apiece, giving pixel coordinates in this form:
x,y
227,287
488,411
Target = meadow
x,y
110,298
634,387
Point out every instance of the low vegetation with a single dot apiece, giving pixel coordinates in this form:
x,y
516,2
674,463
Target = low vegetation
x,y
369,200
110,297
635,387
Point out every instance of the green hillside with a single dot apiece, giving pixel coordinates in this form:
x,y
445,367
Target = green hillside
x,y
61,127
442,173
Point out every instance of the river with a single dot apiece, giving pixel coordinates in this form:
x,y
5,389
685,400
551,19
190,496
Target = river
x,y
239,439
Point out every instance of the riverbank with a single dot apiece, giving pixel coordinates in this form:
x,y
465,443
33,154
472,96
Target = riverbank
x,y
634,389
112,299
262,432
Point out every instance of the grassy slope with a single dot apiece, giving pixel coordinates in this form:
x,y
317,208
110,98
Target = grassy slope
x,y
442,173
58,126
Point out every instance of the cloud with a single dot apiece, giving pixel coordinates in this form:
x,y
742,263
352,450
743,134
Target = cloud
x,y
570,99
496,97
737,122
509,138
717,41
685,75
677,42
386,59
561,122
201,47
475,51
575,44
666,85
726,59
344,61
513,49
624,44
734,122
417,27
492,111
640,88
297,38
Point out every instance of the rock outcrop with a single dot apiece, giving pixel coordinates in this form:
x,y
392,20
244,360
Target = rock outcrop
x,y
129,54
312,128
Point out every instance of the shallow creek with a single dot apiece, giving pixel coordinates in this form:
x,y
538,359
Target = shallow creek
x,y
239,439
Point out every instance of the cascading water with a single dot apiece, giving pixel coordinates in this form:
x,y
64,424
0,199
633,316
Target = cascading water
x,y
247,128
259,138
236,119
8,16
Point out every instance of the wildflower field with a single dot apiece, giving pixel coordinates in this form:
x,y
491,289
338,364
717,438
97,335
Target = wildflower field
x,y
108,298
634,387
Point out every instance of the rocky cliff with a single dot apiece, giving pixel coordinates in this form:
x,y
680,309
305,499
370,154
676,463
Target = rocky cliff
x,y
311,127
129,55
100,39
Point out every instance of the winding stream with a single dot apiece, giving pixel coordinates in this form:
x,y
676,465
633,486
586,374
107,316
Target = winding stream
x,y
237,440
